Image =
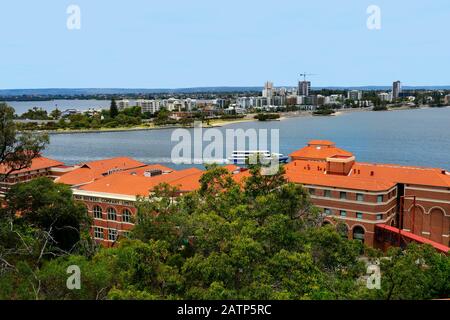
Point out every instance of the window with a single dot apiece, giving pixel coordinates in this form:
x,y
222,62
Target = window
x,y
112,234
98,214
112,214
359,215
343,195
359,197
379,217
343,213
327,212
98,233
358,233
312,191
126,216
380,198
327,193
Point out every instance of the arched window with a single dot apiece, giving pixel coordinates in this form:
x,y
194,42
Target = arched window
x,y
358,233
112,214
126,216
437,218
98,213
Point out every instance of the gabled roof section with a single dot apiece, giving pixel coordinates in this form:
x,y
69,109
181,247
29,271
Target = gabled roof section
x,y
36,164
90,171
314,173
319,150
139,185
366,176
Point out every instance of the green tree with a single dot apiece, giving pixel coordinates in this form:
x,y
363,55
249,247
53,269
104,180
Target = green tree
x,y
50,207
256,240
416,273
35,114
163,116
17,150
56,114
113,110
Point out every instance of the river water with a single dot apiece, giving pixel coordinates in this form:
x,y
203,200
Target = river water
x,y
410,137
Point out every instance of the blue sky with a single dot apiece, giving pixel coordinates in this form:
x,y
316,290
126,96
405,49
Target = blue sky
x,y
189,43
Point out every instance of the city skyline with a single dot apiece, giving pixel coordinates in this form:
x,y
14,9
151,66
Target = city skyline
x,y
201,44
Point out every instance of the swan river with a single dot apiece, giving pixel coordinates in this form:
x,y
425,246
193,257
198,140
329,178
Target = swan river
x,y
418,137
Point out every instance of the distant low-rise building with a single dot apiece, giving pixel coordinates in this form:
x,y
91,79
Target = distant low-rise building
x,y
354,95
149,106
122,104
385,96
244,102
69,112
447,99
334,99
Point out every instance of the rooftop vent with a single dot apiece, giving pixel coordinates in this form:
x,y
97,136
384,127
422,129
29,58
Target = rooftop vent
x,y
152,173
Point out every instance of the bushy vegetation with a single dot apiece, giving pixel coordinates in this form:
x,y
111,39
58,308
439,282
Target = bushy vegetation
x,y
259,240
323,111
267,116
380,108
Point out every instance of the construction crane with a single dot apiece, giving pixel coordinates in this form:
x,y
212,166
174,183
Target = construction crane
x,y
304,75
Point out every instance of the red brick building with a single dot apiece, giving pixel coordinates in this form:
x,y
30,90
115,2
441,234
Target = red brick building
x,y
110,189
40,167
364,195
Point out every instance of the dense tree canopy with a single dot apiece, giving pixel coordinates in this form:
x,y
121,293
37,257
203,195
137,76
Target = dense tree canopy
x,y
261,239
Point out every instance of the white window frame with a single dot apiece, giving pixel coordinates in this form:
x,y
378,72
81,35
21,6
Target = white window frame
x,y
96,212
111,232
98,231
126,216
111,212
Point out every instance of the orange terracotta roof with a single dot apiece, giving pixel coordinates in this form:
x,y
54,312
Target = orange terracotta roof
x,y
232,168
365,176
126,183
299,172
135,185
241,176
403,174
142,170
113,163
90,171
319,150
36,164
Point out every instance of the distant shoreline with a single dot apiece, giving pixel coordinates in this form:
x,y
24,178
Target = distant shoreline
x,y
223,123
218,123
